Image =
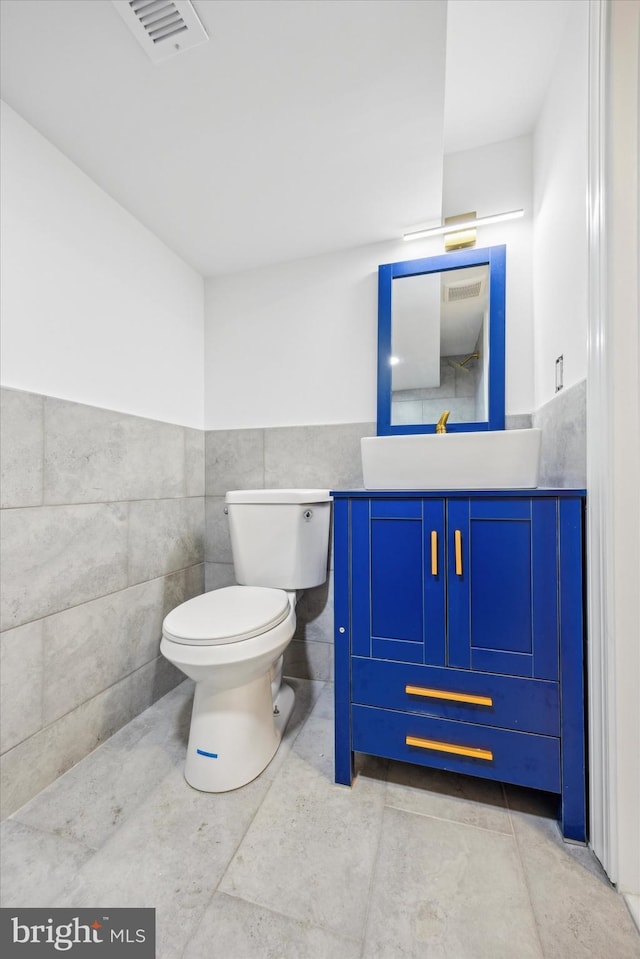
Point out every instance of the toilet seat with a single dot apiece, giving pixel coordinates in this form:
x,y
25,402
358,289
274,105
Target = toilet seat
x,y
226,615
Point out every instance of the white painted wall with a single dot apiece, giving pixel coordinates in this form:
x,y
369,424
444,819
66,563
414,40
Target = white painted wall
x,y
296,344
95,308
560,215
495,179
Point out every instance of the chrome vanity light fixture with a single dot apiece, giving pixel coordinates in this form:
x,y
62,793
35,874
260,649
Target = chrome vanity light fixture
x,y
459,224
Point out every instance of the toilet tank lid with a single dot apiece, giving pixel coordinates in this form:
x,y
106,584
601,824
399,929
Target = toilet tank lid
x,y
278,496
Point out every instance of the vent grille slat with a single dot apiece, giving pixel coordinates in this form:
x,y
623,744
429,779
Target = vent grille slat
x,y
158,17
170,33
170,21
162,27
166,11
144,7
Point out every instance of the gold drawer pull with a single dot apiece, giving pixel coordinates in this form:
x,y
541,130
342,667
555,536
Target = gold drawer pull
x,y
434,552
444,694
458,544
472,751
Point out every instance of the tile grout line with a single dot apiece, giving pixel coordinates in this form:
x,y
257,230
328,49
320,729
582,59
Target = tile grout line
x,y
271,783
39,831
455,822
232,856
109,502
374,866
43,449
95,599
303,922
84,702
459,822
524,875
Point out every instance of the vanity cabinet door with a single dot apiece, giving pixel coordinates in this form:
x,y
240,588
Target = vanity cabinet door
x,y
503,586
468,583
398,579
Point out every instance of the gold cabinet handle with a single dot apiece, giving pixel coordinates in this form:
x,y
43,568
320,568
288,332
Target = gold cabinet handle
x,y
472,751
452,696
434,552
458,545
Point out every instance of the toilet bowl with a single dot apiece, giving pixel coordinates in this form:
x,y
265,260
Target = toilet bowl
x,y
228,642
231,641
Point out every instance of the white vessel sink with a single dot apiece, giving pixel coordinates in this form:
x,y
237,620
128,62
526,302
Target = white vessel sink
x,y
501,459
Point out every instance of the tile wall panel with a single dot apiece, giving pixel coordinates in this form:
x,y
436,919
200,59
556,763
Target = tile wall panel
x,y
164,535
95,456
194,462
234,460
21,681
563,455
21,448
59,556
218,540
315,456
93,646
218,575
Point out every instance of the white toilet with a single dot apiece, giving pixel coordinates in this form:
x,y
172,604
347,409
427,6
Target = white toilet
x,y
231,640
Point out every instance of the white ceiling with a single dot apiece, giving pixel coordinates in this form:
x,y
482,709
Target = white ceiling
x,y
301,127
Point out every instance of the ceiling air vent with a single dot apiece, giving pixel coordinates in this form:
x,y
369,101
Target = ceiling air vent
x,y
163,28
453,292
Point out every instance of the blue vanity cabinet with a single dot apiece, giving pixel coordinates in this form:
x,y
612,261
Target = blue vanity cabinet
x,y
459,636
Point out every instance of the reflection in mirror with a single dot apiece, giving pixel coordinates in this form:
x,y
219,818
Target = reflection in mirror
x,y
441,342
439,346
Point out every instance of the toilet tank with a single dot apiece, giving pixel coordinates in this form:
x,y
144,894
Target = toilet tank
x,y
279,537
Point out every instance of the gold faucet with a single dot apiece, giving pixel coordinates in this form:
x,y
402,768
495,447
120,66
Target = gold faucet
x,y
441,425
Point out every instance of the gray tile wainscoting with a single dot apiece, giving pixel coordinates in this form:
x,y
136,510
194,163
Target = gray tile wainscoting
x,y
102,534
563,421
321,457
110,520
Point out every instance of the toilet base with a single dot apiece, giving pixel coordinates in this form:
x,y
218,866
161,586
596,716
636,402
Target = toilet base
x,y
282,708
235,733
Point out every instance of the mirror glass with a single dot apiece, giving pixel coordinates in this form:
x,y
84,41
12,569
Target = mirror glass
x,y
439,345
441,342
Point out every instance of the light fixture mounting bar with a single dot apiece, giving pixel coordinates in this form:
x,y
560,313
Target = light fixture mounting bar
x,y
463,224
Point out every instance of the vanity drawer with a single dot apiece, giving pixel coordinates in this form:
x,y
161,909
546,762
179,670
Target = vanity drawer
x,y
528,705
514,757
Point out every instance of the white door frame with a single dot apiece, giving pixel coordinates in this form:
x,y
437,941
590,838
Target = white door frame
x,y
613,442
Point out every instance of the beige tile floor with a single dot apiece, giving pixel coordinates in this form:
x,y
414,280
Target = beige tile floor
x,y
407,863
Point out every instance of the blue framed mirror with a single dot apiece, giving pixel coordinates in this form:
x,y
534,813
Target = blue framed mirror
x,y
441,342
